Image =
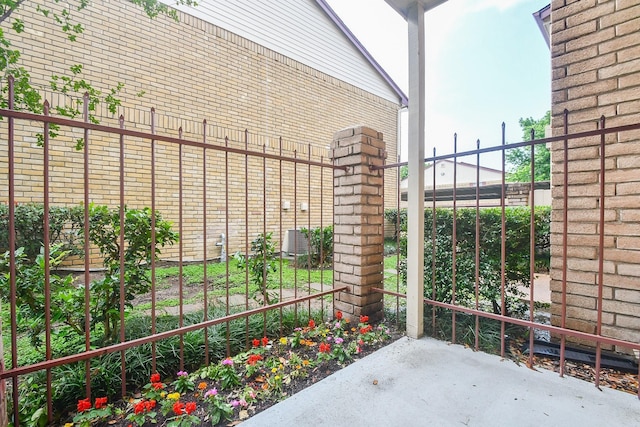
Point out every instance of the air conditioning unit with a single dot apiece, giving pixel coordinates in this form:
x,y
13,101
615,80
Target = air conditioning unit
x,y
297,244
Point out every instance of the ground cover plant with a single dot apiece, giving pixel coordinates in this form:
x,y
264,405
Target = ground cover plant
x,y
235,388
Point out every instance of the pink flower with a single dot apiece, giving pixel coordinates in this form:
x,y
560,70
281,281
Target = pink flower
x,y
211,393
182,374
339,340
227,361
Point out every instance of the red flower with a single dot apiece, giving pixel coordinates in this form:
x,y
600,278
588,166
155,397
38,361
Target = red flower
x,y
339,315
140,407
155,378
84,405
265,341
312,324
256,342
253,359
150,405
178,408
158,386
364,319
101,402
366,329
190,407
324,347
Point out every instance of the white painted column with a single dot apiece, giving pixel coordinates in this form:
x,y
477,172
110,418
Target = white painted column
x,y
415,193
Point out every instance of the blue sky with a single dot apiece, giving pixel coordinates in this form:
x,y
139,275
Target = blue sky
x,y
487,62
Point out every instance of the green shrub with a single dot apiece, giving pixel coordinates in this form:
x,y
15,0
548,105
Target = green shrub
x,y
517,226
320,245
104,232
260,263
29,227
67,299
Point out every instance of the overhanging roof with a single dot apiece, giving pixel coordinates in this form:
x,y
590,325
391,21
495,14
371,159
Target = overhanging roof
x,y
403,6
543,19
404,101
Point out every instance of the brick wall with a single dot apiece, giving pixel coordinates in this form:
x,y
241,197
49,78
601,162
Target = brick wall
x,y
596,71
190,71
358,232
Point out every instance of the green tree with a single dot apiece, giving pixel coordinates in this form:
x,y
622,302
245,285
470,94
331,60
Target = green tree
x,y
404,172
27,96
519,159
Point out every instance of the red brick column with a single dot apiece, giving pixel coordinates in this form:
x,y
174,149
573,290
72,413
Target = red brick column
x,y
358,222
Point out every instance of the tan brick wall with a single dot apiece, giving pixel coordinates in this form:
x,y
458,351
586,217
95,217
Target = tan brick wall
x,y
191,71
359,223
596,71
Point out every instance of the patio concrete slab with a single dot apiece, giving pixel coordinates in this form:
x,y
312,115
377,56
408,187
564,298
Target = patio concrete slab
x,y
427,382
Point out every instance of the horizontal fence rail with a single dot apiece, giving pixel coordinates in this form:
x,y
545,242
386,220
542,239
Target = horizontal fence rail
x,y
252,197
457,282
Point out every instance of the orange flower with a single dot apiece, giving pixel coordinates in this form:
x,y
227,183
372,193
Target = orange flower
x,y
202,386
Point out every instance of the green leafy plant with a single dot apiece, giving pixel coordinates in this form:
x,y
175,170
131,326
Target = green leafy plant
x,y
224,372
320,245
29,228
104,232
183,383
260,264
219,410
517,264
30,296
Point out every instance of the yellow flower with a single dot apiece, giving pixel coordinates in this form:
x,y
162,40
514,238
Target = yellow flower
x,y
274,370
305,363
277,377
163,394
298,366
283,341
173,396
68,425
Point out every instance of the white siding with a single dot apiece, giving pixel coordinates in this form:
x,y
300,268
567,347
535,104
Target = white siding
x,y
300,30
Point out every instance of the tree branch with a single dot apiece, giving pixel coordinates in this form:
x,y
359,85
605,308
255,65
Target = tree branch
x,y
8,13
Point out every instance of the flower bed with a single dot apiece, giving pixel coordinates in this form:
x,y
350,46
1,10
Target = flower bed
x,y
238,387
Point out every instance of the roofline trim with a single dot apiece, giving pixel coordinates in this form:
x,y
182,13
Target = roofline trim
x,y
540,16
404,100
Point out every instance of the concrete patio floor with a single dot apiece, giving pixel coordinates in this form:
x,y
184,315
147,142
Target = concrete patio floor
x,y
427,382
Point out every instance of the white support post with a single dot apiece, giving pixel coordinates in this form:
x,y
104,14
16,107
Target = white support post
x,y
415,212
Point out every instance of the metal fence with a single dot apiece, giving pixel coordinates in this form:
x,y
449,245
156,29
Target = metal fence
x,y
597,331
248,186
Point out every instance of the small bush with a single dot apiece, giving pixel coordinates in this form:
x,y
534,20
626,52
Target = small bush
x,y
320,245
29,227
517,273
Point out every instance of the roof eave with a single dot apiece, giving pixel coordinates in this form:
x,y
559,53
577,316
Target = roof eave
x,y
541,16
403,6
404,100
